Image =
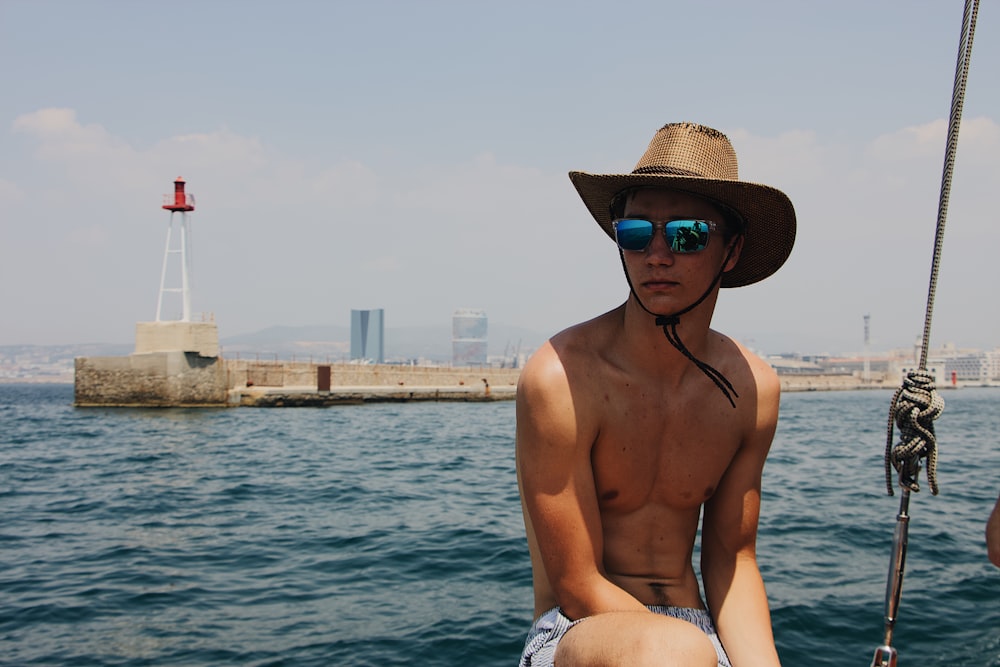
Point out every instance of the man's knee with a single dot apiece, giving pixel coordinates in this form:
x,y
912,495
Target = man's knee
x,y
684,644
636,640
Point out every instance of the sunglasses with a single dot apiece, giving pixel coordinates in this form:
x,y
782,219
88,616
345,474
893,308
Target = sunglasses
x,y
683,236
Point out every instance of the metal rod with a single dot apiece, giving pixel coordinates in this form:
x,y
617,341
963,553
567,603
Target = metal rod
x,y
885,655
897,566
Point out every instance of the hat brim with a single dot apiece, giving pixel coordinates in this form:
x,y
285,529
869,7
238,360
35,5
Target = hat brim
x,y
768,214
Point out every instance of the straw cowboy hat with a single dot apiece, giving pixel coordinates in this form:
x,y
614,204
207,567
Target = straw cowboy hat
x,y
699,160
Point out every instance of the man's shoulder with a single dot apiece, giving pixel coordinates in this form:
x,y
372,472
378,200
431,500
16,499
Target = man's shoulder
x,y
735,351
745,368
765,377
762,383
579,349
588,342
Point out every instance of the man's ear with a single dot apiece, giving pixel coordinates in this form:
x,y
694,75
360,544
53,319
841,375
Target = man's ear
x,y
737,248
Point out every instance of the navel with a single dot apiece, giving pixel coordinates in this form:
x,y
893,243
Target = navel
x,y
659,592
609,495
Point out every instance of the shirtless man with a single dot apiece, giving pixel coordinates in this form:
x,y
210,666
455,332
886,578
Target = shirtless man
x,y
628,425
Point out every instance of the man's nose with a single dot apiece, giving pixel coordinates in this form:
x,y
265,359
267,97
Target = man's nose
x,y
659,251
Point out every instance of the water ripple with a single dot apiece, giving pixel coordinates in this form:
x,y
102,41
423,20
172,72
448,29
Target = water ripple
x,y
392,535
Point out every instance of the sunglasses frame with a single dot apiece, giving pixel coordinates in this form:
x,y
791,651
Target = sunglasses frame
x,y
662,228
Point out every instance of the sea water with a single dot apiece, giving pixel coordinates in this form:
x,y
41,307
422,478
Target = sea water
x,y
391,534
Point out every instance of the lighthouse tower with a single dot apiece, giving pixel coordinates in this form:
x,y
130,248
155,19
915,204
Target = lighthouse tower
x,y
176,362
172,331
178,249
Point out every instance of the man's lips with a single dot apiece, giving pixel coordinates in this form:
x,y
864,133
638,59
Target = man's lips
x,y
659,284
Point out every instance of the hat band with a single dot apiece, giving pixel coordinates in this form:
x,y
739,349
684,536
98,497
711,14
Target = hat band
x,y
671,171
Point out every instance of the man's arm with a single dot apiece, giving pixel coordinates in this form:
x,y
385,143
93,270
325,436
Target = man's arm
x,y
557,488
993,534
733,584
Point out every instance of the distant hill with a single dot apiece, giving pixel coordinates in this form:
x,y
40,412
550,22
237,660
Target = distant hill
x,y
318,342
284,334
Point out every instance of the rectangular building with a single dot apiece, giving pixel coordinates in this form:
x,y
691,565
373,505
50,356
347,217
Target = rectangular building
x,y
469,337
368,335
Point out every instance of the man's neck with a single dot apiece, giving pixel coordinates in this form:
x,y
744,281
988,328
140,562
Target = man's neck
x,y
649,345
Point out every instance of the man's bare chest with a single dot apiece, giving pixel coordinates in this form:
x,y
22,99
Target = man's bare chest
x,y
669,455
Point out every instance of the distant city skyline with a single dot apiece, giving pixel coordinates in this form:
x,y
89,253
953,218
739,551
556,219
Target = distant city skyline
x,y
767,343
397,341
55,363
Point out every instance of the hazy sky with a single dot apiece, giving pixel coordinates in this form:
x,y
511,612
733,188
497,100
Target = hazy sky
x,y
412,156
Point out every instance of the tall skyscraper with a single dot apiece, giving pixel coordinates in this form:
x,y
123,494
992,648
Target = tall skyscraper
x,y
468,337
368,335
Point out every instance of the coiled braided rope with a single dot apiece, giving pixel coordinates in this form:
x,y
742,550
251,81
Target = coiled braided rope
x,y
914,408
916,404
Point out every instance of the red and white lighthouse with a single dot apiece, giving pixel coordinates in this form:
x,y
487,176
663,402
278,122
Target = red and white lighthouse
x,y
177,249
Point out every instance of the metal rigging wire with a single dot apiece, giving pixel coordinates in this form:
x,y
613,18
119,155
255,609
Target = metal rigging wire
x,y
916,404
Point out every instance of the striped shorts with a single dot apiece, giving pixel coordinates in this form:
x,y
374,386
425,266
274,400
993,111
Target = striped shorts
x,y
549,628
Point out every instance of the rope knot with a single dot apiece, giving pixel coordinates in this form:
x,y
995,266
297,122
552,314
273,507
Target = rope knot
x,y
914,408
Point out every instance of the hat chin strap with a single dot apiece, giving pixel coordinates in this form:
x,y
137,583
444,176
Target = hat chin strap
x,y
669,324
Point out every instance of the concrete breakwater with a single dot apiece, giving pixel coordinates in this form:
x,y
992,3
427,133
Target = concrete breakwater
x,y
153,379
183,379
831,382
290,384
295,396
187,379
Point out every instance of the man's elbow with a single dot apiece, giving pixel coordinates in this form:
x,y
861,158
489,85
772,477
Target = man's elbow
x,y
725,557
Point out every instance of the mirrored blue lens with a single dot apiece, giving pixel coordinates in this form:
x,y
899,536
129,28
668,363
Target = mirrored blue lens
x,y
633,234
686,235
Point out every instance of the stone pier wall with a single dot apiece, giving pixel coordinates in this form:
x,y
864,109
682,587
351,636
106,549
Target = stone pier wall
x,y
154,379
246,373
188,379
790,383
